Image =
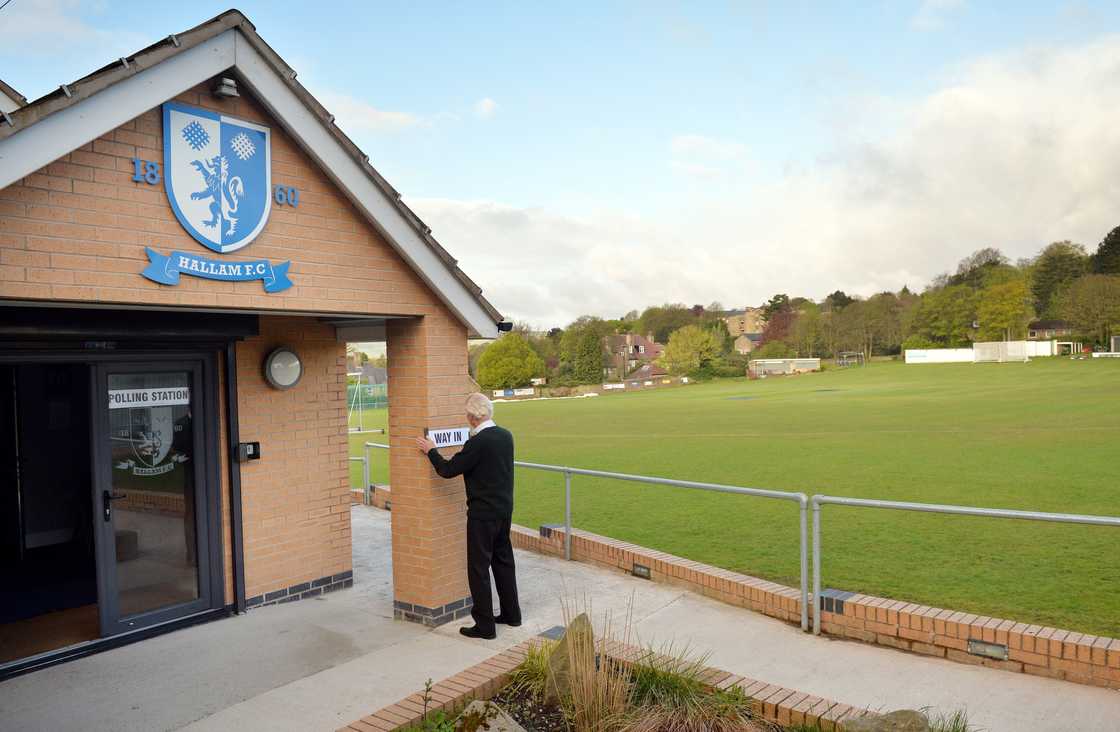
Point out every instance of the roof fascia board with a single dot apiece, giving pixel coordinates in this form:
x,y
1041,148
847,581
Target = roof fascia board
x,y
68,129
275,94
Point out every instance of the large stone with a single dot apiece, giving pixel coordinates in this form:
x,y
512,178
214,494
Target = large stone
x,y
484,716
579,637
902,720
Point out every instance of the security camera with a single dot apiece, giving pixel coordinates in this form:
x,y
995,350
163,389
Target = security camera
x,y
505,326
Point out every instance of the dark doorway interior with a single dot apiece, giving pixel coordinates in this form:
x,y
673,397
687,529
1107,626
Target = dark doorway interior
x,y
48,581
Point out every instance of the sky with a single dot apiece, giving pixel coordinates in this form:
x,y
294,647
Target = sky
x,y
595,158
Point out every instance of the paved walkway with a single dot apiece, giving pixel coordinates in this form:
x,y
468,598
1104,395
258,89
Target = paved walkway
x,y
319,664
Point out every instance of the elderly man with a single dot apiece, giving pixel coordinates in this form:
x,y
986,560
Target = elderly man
x,y
486,464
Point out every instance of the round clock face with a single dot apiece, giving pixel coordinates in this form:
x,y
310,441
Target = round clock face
x,y
283,368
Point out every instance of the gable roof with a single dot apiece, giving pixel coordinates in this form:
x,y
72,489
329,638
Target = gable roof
x,y
49,127
10,99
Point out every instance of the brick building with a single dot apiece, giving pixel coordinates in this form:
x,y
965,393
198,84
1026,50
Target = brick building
x,y
174,442
629,351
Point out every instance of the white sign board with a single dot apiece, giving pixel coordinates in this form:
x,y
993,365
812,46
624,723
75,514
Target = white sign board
x,y
524,392
614,386
169,396
449,437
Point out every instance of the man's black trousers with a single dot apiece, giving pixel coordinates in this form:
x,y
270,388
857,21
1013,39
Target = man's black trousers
x,y
488,547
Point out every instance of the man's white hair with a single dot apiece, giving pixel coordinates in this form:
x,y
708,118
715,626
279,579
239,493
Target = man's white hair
x,y
480,407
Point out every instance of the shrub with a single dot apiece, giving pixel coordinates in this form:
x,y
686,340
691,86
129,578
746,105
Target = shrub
x,y
774,349
508,363
531,677
918,342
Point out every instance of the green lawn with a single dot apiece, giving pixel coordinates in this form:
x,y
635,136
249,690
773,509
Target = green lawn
x,y
1040,436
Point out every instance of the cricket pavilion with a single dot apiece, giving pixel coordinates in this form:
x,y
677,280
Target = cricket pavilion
x,y
187,243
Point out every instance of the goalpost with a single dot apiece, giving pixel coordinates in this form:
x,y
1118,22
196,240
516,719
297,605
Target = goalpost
x,y
357,401
1000,352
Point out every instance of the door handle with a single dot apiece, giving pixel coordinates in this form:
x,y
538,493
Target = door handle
x,y
107,499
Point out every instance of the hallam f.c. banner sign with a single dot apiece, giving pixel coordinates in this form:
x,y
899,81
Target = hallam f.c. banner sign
x,y
217,172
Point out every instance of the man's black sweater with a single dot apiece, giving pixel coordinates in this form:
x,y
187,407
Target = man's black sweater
x,y
486,464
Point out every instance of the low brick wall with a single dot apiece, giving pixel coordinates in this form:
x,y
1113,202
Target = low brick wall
x,y
482,681
379,495
166,504
1061,654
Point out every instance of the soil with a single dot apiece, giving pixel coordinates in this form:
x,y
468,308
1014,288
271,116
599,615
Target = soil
x,y
530,713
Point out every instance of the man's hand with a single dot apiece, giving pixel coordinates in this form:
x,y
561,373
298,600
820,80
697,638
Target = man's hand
x,y
423,444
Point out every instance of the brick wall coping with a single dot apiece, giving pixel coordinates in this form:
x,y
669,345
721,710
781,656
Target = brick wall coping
x,y
769,702
1033,649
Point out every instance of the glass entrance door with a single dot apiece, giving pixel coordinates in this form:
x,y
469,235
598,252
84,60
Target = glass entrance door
x,y
151,494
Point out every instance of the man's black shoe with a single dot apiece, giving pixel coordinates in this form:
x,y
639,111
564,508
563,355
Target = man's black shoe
x,y
504,621
474,632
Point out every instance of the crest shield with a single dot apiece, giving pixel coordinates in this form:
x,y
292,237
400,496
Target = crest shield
x,y
217,174
152,430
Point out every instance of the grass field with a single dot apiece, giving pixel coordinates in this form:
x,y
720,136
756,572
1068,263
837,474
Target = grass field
x,y
1038,436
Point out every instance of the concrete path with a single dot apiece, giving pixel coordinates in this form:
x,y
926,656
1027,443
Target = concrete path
x,y
319,664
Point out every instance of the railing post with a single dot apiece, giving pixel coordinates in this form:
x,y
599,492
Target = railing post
x,y
365,475
568,515
803,509
816,567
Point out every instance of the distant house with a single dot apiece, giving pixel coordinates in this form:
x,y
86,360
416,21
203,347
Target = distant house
x,y
742,322
374,374
1044,330
647,371
628,351
747,342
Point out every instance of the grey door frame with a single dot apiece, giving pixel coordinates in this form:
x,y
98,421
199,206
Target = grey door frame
x,y
207,514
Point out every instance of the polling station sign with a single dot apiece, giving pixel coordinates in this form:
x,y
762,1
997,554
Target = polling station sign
x,y
158,397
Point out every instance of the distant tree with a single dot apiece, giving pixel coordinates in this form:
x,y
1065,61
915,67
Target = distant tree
x,y
1106,260
363,357
777,304
587,366
806,333
1055,268
976,268
1092,304
691,350
381,362
716,308
474,353
508,363
661,320
571,336
945,315
774,349
1004,310
838,300
778,327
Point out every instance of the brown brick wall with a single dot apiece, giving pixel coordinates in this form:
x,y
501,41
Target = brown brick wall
x,y
428,384
76,231
1032,649
296,498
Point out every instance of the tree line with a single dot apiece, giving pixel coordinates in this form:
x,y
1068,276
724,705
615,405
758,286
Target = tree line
x,y
987,297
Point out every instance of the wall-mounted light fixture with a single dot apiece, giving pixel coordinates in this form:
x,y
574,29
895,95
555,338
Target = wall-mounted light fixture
x,y
282,368
224,87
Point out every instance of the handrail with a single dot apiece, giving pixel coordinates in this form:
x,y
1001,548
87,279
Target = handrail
x,y
800,498
818,500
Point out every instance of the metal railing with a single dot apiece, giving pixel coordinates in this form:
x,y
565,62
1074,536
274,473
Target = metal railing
x,y
804,503
818,500
800,499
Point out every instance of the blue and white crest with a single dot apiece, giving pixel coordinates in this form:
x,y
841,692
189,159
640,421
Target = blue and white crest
x,y
218,175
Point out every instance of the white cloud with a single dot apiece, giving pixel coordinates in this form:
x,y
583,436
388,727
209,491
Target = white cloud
x,y
933,14
355,115
485,108
708,147
36,28
706,157
1014,151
